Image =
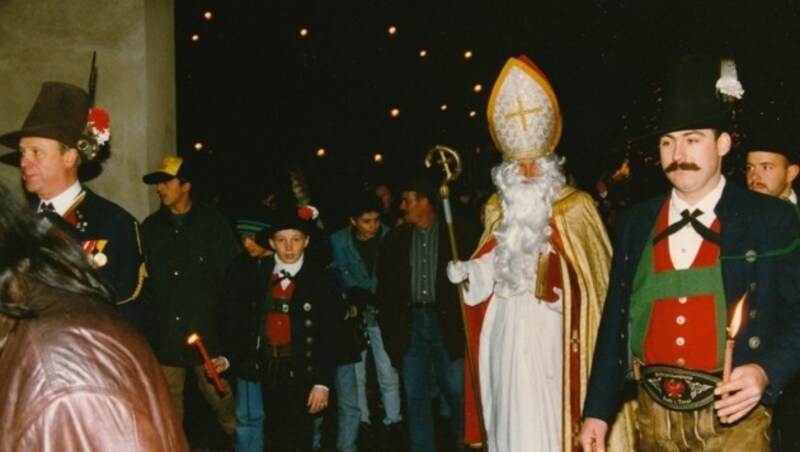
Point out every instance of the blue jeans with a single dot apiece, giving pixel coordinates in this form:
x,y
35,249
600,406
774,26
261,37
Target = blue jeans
x,y
426,354
348,412
388,380
249,416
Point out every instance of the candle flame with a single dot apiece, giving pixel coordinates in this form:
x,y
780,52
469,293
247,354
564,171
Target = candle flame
x,y
192,338
736,320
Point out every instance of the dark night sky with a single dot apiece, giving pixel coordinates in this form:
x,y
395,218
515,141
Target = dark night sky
x,y
256,93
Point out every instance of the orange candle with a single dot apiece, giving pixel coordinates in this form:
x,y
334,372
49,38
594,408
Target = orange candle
x,y
194,339
733,329
727,364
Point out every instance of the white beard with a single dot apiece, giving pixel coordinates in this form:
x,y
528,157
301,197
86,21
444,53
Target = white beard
x,y
524,231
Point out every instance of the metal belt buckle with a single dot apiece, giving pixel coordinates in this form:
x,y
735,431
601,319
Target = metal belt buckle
x,y
679,389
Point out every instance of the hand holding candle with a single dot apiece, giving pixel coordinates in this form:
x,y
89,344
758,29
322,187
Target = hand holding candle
x,y
733,329
194,339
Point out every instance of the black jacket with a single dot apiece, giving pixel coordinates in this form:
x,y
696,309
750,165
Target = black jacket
x,y
316,311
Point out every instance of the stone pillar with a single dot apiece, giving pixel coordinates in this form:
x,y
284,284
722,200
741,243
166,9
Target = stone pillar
x,y
53,40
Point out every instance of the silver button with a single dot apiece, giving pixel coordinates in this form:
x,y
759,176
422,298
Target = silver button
x,y
682,300
309,340
754,342
753,286
176,273
177,318
680,320
751,256
753,314
308,354
680,361
308,323
680,341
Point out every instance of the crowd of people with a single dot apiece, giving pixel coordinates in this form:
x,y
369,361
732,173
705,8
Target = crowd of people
x,y
681,334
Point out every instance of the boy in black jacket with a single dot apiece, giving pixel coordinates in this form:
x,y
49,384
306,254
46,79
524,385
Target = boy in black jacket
x,y
296,331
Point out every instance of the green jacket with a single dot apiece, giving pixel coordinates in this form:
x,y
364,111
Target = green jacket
x,y
185,266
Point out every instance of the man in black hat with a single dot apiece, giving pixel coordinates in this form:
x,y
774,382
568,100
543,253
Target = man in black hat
x,y
772,163
684,261
772,167
188,245
60,133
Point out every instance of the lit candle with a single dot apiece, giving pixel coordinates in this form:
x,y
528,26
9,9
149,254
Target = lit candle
x,y
733,329
194,339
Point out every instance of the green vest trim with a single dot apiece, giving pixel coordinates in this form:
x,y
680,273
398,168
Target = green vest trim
x,y
649,286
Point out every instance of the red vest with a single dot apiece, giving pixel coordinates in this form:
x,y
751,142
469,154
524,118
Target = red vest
x,y
278,325
680,331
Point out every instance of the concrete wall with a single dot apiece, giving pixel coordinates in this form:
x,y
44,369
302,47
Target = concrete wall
x,y
47,40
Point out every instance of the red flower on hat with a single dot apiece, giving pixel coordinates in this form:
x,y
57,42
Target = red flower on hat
x,y
308,212
99,118
99,123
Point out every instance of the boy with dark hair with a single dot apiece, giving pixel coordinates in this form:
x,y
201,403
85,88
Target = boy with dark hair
x,y
188,245
241,296
355,248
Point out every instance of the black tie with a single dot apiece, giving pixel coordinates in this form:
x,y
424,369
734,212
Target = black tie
x,y
688,218
47,207
278,277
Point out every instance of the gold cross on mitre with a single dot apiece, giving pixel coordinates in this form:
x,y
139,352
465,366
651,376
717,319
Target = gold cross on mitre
x,y
522,112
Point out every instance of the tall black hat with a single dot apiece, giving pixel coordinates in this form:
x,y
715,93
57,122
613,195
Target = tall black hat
x,y
778,135
698,95
298,218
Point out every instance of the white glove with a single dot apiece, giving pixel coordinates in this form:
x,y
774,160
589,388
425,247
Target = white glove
x,y
457,271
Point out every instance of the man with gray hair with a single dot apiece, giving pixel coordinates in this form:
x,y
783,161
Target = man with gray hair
x,y
542,269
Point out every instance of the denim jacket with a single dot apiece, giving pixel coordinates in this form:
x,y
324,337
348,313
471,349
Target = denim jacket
x,y
348,265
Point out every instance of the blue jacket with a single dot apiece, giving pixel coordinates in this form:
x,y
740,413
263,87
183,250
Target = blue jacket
x,y
350,268
770,335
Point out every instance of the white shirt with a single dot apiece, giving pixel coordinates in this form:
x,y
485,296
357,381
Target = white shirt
x,y
291,269
64,200
684,244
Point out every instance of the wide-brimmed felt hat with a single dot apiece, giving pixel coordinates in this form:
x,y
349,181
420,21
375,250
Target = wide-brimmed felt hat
x,y
62,112
698,94
59,113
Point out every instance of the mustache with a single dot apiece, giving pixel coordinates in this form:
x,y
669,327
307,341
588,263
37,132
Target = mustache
x,y
686,166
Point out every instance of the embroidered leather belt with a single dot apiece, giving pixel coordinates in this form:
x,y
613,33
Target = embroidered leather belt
x,y
676,388
278,351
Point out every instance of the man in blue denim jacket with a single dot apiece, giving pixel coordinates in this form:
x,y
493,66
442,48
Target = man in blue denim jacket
x,y
354,250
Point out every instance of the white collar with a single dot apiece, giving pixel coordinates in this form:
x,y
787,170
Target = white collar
x,y
793,197
291,269
64,200
707,204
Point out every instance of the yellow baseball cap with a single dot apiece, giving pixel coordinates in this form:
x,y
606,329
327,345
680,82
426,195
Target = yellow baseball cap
x,y
170,168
